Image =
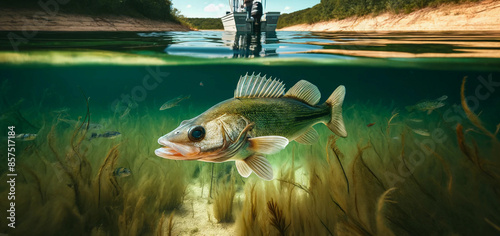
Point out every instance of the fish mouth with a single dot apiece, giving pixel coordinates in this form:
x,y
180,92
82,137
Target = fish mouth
x,y
176,151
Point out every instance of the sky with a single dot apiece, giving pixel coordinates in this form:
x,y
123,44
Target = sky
x,y
218,8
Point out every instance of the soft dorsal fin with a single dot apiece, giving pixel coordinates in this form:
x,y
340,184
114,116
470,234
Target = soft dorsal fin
x,y
256,86
308,137
304,91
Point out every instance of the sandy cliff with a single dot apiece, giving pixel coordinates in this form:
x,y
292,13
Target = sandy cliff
x,y
483,15
41,20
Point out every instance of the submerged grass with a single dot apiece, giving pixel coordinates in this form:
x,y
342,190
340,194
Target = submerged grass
x,y
383,179
223,201
70,178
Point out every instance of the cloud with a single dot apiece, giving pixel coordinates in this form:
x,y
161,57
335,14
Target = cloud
x,y
188,6
287,8
214,8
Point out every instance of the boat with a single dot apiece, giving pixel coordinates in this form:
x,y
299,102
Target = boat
x,y
236,19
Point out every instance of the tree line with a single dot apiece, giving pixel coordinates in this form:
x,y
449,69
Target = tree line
x,y
205,23
152,9
340,9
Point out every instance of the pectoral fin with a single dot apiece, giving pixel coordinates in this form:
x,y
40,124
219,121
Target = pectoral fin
x,y
268,144
260,165
243,168
309,137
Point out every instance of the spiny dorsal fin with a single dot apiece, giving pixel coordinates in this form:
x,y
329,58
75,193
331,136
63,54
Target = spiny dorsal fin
x,y
309,137
255,86
304,91
260,166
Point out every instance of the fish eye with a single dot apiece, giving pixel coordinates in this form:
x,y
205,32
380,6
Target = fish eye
x,y
196,133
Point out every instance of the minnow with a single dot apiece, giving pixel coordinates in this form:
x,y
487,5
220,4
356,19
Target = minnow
x,y
421,132
92,126
428,105
108,135
25,137
122,172
173,102
370,125
260,119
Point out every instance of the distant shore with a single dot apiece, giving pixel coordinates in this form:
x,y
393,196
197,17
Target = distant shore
x,y
39,20
484,15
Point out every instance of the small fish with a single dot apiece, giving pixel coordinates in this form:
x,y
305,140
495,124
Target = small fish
x,y
122,172
62,110
92,126
173,102
370,125
125,113
442,98
428,105
108,135
25,137
416,120
260,119
201,84
421,132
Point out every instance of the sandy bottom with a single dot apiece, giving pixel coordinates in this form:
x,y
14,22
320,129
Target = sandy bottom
x,y
195,217
33,20
483,15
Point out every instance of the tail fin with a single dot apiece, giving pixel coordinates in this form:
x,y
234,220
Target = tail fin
x,y
335,101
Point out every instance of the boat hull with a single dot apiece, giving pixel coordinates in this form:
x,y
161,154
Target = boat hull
x,y
236,21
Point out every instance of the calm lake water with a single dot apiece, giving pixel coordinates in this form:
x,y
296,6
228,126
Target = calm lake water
x,y
415,160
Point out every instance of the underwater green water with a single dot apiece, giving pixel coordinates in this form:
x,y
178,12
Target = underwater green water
x,y
453,189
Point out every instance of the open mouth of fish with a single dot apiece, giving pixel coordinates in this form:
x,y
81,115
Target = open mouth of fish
x,y
176,151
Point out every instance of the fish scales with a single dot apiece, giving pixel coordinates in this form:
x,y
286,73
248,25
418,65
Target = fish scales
x,y
283,116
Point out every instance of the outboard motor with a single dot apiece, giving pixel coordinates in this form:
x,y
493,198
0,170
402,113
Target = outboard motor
x,y
257,14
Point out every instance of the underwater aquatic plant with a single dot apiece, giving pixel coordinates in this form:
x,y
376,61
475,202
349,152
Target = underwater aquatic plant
x,y
71,179
223,201
277,219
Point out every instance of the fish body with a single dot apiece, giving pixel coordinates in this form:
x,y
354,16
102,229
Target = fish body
x,y
428,105
122,172
421,132
25,137
125,113
62,110
259,120
286,117
173,102
92,126
108,135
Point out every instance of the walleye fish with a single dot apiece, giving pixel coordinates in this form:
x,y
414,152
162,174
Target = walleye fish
x,y
259,119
